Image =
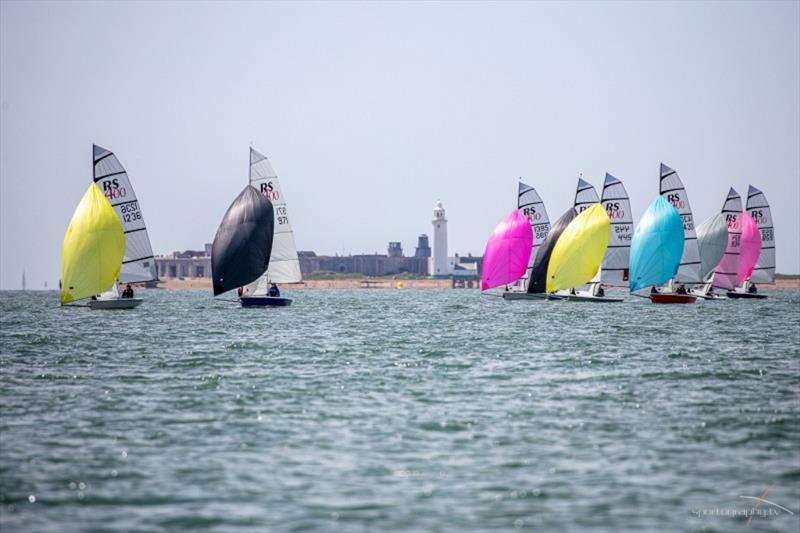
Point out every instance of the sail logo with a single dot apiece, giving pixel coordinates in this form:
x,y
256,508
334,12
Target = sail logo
x,y
675,199
269,192
732,220
531,213
112,190
758,216
613,210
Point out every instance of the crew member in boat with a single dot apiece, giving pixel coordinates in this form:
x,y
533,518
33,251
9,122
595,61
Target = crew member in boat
x,y
128,292
681,289
273,291
653,290
752,288
599,292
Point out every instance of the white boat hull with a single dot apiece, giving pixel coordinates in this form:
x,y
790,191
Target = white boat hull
x,y
115,303
513,295
591,298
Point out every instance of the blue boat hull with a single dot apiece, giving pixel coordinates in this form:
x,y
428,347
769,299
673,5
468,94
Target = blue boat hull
x,y
265,301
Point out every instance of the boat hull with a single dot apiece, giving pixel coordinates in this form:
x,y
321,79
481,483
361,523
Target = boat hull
x,y
115,304
265,301
591,298
538,296
745,295
672,298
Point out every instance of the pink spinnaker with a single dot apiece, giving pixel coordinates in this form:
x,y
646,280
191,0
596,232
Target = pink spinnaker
x,y
507,252
749,249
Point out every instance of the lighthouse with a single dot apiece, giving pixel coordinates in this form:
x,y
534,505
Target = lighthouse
x,y
439,262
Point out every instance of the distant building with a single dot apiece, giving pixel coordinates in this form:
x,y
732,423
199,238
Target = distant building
x,y
393,263
423,250
186,264
439,263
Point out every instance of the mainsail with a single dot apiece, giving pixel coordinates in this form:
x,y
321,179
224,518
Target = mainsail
x,y
712,238
243,243
138,264
538,281
757,206
579,250
671,189
585,196
614,270
532,206
657,245
507,251
284,266
749,248
727,270
93,248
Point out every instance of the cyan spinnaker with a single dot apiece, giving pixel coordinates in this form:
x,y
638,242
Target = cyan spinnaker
x,y
657,246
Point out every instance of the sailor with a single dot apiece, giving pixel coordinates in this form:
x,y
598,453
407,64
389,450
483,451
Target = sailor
x,y
600,292
273,291
752,289
654,290
128,292
681,289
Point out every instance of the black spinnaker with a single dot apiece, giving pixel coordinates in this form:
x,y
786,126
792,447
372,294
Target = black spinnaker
x,y
538,282
243,243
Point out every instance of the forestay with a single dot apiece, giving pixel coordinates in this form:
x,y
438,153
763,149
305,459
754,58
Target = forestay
x,y
284,266
138,264
532,206
712,238
758,207
725,275
614,270
672,190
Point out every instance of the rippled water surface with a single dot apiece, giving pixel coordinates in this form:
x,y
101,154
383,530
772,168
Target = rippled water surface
x,y
412,410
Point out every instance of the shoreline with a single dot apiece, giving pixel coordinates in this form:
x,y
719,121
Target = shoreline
x,y
175,284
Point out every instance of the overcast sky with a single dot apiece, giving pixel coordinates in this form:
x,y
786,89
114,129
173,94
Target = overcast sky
x,y
370,112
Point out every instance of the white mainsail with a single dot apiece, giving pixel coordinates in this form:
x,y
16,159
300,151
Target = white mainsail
x,y
712,238
726,272
585,196
284,266
672,190
138,264
614,270
532,206
757,206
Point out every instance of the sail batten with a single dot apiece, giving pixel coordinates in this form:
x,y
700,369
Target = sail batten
x,y
671,189
758,208
114,182
284,265
585,196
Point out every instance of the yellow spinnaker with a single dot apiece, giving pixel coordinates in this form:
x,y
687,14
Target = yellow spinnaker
x,y
94,246
580,249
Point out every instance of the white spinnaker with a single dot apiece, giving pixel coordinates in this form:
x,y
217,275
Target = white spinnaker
x,y
672,190
712,238
614,270
532,206
138,264
585,196
758,208
726,272
284,266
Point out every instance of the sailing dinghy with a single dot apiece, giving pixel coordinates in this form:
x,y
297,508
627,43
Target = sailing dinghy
x,y
138,265
764,270
93,248
537,284
727,269
656,250
712,238
243,243
507,251
614,269
672,190
532,206
284,265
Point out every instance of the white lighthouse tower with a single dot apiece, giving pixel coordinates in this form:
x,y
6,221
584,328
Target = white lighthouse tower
x,y
439,262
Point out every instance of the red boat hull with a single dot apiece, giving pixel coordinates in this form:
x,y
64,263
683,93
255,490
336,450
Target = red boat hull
x,y
672,298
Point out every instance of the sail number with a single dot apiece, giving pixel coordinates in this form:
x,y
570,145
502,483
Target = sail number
x,y
282,215
541,231
624,232
130,212
688,222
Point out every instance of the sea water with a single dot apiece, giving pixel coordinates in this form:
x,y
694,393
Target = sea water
x,y
399,410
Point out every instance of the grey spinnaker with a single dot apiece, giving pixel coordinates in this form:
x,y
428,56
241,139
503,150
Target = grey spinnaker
x,y
538,282
243,243
712,238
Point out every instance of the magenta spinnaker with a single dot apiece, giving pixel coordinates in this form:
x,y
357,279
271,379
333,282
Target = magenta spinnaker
x,y
749,249
507,252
